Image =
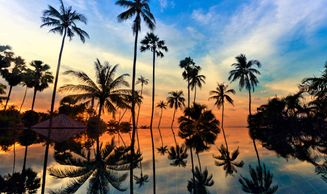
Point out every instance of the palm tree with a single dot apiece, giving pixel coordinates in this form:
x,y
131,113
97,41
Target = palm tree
x,y
245,72
13,76
141,10
107,89
27,81
220,95
260,182
63,21
201,181
228,160
100,171
189,69
317,86
41,77
196,81
199,128
143,81
175,100
152,43
163,149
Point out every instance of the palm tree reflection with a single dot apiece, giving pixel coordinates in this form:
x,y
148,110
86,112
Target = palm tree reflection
x,y
228,160
201,181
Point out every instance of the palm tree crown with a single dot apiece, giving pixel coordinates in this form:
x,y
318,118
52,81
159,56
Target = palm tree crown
x,y
162,105
176,99
141,9
64,21
107,89
221,94
142,80
154,44
245,72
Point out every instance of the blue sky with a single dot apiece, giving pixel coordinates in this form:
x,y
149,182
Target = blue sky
x,y
289,37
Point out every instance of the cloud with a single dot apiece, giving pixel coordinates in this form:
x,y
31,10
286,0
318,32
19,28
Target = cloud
x,y
200,16
164,4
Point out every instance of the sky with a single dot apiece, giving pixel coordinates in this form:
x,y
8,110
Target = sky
x,y
288,37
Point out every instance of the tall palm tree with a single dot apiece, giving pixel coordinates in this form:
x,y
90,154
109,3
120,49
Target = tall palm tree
x,y
14,75
143,81
220,95
175,100
101,172
201,181
245,72
189,69
27,81
107,89
196,81
152,43
199,128
63,21
141,10
41,77
162,105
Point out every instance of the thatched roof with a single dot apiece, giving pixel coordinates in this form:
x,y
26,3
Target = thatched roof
x,y
63,128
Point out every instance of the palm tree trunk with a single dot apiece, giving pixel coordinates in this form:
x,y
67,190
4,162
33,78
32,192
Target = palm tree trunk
x,y
159,127
25,93
139,109
45,163
199,161
8,97
194,94
121,139
14,163
33,102
98,155
250,102
171,127
133,113
122,116
151,121
257,153
25,157
188,92
192,162
138,140
222,125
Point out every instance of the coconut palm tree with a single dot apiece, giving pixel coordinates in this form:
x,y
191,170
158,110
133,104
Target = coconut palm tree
x,y
228,160
201,181
246,73
143,81
220,95
41,77
199,128
107,89
141,10
260,181
14,75
163,149
317,86
27,81
152,43
102,172
65,22
189,70
175,100
196,81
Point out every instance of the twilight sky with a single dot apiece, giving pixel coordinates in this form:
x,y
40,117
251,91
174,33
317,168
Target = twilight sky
x,y
289,37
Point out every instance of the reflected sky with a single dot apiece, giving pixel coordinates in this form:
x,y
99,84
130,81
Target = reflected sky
x,y
291,176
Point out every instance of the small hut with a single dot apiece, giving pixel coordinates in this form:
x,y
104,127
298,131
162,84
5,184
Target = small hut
x,y
63,128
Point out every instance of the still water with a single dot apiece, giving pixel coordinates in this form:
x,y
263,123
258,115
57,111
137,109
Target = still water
x,y
291,175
